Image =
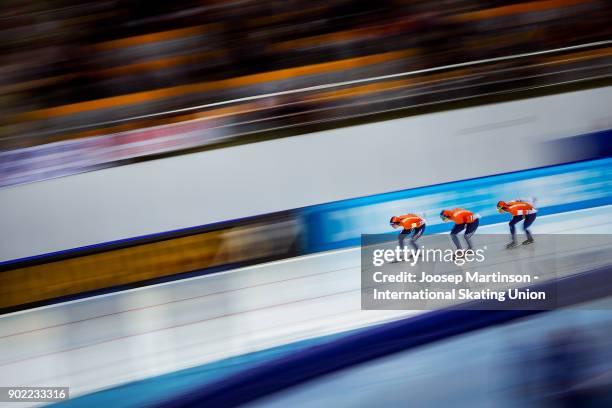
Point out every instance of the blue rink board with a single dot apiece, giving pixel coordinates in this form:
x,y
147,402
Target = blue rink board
x,y
555,189
152,390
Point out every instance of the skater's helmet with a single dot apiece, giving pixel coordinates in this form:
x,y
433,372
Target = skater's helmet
x,y
394,221
501,205
444,215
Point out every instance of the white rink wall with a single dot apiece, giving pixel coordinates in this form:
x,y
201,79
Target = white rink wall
x,y
247,180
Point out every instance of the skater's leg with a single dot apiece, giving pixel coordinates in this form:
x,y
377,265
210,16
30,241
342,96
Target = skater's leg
x,y
529,219
417,232
453,234
515,220
469,231
401,237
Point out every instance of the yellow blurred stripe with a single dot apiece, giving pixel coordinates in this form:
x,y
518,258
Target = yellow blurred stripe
x,y
323,39
159,63
516,9
580,56
107,269
155,37
345,35
139,97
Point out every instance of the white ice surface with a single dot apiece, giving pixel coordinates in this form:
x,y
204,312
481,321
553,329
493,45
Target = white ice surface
x,y
103,341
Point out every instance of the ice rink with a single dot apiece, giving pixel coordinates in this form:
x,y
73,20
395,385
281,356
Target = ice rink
x,y
112,339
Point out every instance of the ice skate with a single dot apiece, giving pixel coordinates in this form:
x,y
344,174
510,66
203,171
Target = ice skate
x,y
511,245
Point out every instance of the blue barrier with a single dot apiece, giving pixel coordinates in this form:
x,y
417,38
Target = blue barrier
x,y
557,189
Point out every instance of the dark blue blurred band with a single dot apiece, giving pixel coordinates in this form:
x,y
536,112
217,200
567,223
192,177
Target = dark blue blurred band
x,y
377,342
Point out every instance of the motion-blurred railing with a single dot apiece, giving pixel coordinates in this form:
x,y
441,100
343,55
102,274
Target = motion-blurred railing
x,y
91,145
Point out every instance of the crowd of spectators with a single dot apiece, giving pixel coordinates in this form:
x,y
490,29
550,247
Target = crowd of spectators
x,y
60,58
